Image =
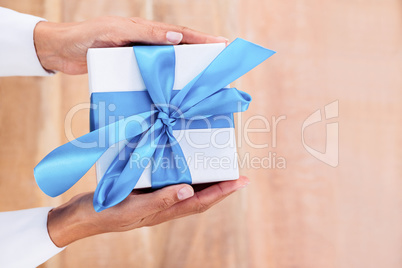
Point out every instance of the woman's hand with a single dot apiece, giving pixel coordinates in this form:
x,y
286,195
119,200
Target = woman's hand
x,y
63,46
77,218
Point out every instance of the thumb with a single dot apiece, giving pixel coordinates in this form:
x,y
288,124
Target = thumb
x,y
164,198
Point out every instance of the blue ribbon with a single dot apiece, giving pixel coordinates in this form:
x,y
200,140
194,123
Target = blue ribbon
x,y
205,96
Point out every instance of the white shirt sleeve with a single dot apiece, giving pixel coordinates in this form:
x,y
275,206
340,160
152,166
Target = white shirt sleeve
x,y
24,239
17,50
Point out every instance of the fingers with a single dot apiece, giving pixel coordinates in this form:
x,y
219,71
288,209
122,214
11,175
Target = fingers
x,y
201,201
190,36
215,193
151,32
160,200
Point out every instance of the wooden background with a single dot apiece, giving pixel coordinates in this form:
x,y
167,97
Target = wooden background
x,y
306,215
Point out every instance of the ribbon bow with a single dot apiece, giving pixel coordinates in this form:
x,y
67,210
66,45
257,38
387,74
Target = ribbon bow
x,y
204,96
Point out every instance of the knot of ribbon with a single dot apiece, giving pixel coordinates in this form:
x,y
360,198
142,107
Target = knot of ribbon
x,y
166,120
203,97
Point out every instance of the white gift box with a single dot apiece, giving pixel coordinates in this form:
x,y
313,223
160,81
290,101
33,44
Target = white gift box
x,y
210,153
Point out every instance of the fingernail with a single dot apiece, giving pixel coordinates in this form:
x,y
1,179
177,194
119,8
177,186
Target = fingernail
x,y
185,192
174,37
241,186
227,40
224,38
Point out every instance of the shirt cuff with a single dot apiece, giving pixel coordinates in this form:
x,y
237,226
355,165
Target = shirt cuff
x,y
24,238
17,49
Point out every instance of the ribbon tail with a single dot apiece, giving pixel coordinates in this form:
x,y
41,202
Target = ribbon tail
x,y
121,160
65,165
170,165
114,189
